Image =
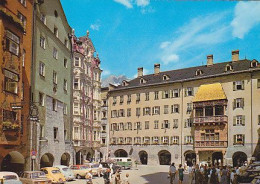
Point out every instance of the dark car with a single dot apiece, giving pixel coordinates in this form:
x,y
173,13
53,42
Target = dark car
x,y
114,167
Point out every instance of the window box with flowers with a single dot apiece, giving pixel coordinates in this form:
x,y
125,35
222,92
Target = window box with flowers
x,y
165,143
137,143
156,143
239,143
9,126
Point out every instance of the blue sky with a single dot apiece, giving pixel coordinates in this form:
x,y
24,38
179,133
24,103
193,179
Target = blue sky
x,y
129,34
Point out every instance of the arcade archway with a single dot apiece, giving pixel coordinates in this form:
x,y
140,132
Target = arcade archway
x,y
65,159
143,157
239,158
120,153
79,158
190,158
164,157
14,162
217,158
47,160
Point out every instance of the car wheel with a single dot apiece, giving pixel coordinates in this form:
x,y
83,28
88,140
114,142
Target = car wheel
x,y
78,176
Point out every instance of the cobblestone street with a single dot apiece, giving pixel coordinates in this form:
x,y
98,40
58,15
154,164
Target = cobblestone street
x,y
140,175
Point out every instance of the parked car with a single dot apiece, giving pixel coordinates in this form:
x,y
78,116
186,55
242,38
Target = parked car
x,y
67,172
80,171
95,168
124,162
34,177
54,174
9,178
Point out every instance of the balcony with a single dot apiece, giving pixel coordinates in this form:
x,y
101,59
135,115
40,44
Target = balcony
x,y
211,144
210,120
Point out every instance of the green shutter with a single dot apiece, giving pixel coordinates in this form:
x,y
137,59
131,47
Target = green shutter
x,y
243,84
234,139
234,104
234,121
185,93
243,120
244,140
242,103
234,86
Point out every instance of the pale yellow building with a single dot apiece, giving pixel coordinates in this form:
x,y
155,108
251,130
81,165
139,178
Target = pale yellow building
x,y
205,114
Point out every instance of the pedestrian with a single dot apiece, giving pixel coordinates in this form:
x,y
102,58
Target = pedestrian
x,y
172,172
198,175
191,174
106,177
232,176
100,169
180,173
213,176
117,177
89,177
126,180
223,174
205,174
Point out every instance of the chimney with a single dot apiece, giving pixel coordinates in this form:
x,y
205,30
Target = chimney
x,y
209,60
156,68
235,55
140,72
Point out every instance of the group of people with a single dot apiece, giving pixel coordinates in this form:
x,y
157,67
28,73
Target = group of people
x,y
108,178
205,174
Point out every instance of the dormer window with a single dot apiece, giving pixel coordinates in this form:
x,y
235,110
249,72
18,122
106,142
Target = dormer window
x,y
254,64
124,83
229,68
199,72
165,77
142,81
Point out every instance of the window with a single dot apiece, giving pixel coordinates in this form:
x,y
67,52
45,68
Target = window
x,y
258,83
121,99
175,108
66,43
56,32
175,123
188,140
146,140
238,85
219,110
254,64
43,18
121,113
189,108
12,43
189,91
65,63
10,81
166,94
54,104
138,126
55,80
165,139
209,111
239,139
146,111
146,125
76,84
55,53
9,115
76,61
176,93
238,103
156,110
113,113
65,109
76,108
156,95
147,96
23,57
128,112
165,77
121,126
137,140
198,72
42,42
41,99
42,69
55,132
156,124
165,124
228,68
42,131
175,140
199,112
188,123
22,19
23,2
128,99
65,85
239,120
155,140
129,140
114,100
209,135
138,111
137,97
129,126
166,109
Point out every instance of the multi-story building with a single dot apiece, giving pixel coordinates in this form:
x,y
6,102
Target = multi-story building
x,y
207,114
15,52
51,92
86,99
104,123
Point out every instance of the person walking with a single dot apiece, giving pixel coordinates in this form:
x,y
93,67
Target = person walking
x,y
213,176
126,180
180,173
172,172
89,177
106,177
117,177
223,174
191,174
205,174
198,175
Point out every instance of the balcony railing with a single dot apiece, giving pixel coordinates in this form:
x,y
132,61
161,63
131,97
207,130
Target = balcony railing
x,y
210,143
210,119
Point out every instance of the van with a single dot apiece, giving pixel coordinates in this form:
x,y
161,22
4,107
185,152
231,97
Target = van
x,y
124,162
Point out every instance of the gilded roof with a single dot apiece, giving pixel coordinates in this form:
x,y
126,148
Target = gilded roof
x,y
209,92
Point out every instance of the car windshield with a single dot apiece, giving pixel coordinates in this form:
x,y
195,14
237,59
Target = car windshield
x,y
10,177
65,169
38,174
84,167
55,171
129,160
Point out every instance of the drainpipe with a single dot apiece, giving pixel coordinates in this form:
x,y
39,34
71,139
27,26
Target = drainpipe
x,y
181,119
251,115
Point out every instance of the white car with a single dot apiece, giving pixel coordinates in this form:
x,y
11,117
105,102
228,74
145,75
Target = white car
x,y
10,178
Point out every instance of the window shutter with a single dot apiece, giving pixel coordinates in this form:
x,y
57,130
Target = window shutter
x,y
234,86
143,111
135,126
244,139
234,104
153,110
159,110
163,94
162,126
140,126
243,84
126,126
234,137
243,120
186,91
242,103
258,83
170,93
185,124
234,120
169,125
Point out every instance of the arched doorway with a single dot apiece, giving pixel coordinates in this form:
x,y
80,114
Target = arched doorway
x,y
217,158
47,160
239,158
164,157
101,156
89,156
143,157
65,159
14,162
190,158
79,158
120,153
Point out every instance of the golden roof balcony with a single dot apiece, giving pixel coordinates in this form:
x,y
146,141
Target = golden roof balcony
x,y
211,143
210,120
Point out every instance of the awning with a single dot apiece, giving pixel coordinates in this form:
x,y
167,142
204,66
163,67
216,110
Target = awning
x,y
210,92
